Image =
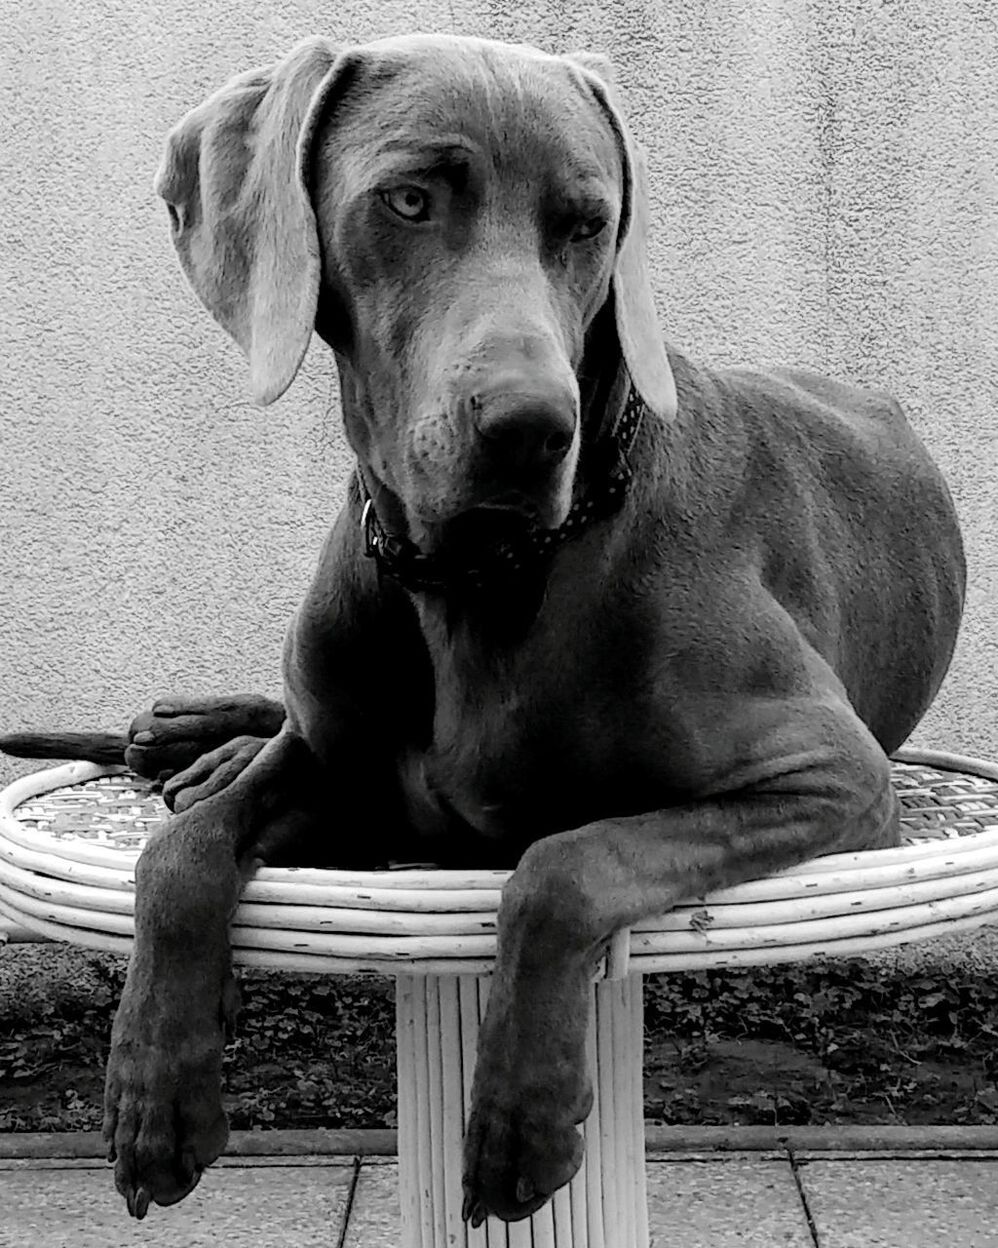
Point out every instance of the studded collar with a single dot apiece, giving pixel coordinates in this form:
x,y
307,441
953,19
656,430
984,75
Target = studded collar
x,y
607,473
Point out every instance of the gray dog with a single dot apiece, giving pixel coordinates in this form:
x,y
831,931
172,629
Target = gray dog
x,y
639,628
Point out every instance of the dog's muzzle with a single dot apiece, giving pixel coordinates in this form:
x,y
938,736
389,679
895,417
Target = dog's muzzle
x,y
604,479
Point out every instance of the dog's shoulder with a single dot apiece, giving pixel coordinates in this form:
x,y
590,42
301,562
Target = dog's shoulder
x,y
814,405
794,421
780,440
789,459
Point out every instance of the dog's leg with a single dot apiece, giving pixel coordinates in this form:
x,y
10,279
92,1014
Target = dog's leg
x,y
571,891
179,729
163,1112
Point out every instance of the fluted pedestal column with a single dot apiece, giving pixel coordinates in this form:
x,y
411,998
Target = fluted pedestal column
x,y
605,1204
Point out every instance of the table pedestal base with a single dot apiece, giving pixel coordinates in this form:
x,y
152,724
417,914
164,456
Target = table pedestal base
x,y
605,1204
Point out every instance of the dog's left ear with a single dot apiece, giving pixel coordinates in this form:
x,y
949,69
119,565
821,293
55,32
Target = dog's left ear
x,y
638,331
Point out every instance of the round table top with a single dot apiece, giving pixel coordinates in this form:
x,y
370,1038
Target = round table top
x,y
70,837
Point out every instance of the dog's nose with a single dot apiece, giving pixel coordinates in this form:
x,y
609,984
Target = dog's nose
x,y
525,431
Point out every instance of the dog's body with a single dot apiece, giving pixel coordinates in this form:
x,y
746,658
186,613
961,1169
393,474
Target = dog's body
x,y
621,696
699,686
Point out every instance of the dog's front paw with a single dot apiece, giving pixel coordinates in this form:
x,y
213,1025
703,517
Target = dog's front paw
x,y
163,1116
211,773
523,1141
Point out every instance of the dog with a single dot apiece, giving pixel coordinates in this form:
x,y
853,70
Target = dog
x,y
638,628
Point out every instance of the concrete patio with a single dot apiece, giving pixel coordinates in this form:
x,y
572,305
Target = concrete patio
x,y
834,1188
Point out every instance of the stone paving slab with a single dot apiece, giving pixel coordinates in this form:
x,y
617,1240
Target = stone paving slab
x,y
902,1203
730,1202
375,1219
697,1200
244,1206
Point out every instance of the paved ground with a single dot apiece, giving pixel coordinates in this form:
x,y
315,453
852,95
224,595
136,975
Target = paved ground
x,y
790,1197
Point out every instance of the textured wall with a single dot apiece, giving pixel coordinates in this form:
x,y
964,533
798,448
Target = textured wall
x,y
824,193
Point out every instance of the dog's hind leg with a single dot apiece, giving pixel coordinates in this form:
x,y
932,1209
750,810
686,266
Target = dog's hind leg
x,y
178,730
162,741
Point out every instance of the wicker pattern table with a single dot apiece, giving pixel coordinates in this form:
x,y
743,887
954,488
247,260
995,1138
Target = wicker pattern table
x,y
69,838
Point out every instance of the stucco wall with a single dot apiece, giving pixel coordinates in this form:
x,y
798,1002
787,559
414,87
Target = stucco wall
x,y
824,193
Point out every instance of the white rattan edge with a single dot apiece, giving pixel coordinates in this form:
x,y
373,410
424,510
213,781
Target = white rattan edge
x,y
35,887
304,962
475,891
942,859
389,949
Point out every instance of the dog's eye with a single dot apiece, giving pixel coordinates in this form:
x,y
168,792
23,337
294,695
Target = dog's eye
x,y
587,228
411,203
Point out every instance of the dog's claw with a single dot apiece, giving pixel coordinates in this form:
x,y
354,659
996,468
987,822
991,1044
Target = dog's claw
x,y
525,1190
473,1211
138,1203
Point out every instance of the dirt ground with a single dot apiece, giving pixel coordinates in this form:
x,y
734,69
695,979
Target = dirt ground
x,y
845,1043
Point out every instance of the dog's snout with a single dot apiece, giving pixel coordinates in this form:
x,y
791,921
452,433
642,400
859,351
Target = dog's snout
x,y
525,431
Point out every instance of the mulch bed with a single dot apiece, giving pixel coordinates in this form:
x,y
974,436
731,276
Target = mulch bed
x,y
816,1043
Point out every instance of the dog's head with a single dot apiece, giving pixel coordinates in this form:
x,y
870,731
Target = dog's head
x,y
463,221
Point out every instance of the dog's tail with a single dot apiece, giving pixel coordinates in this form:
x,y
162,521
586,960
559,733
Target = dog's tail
x,y
92,747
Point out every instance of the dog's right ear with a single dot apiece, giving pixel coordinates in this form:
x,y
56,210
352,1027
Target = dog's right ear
x,y
235,179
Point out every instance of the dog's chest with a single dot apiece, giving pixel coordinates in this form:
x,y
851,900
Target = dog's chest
x,y
514,760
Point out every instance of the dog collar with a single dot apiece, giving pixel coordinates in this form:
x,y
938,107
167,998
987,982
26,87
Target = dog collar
x,y
503,560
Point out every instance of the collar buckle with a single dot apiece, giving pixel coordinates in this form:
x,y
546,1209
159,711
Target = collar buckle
x,y
373,540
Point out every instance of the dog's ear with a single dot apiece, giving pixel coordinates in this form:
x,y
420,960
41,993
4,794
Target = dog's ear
x,y
638,332
235,177
600,66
